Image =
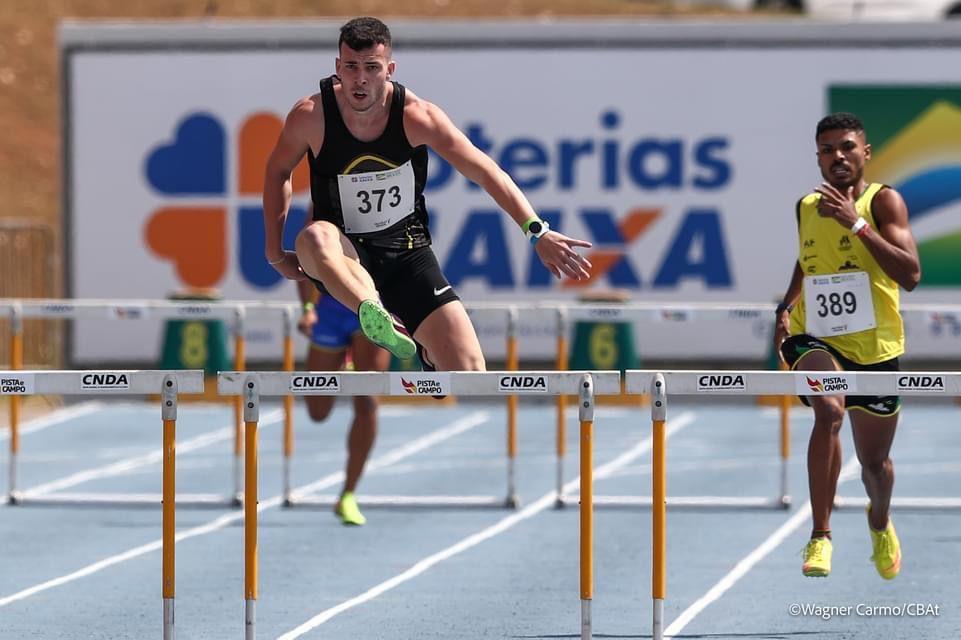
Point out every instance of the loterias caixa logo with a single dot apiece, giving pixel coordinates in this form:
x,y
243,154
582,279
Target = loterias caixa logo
x,y
191,228
209,176
915,133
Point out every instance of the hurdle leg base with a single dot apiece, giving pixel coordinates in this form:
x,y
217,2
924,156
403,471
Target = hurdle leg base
x,y
512,501
657,633
168,631
250,619
586,625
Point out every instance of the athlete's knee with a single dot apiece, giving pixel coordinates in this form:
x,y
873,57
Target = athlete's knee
x,y
365,407
877,467
318,240
829,415
319,408
469,362
476,363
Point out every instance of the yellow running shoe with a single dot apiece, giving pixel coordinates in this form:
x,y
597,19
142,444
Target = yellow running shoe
x,y
379,328
348,510
886,549
817,558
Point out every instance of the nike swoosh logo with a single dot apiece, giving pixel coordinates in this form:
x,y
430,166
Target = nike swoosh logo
x,y
437,291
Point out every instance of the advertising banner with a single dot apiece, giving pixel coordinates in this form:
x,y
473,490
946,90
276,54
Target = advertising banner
x,y
681,163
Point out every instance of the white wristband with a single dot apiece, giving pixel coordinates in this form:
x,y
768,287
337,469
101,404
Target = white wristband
x,y
859,224
535,229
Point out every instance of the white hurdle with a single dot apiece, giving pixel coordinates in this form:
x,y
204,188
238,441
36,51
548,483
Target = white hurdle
x,y
753,383
233,313
508,312
687,313
252,386
168,384
565,313
678,313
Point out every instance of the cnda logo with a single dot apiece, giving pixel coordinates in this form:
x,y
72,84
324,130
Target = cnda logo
x,y
932,384
522,384
744,314
607,314
58,309
315,384
104,381
194,310
721,382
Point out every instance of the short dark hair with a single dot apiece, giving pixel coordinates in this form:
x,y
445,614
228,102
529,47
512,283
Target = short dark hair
x,y
364,33
840,120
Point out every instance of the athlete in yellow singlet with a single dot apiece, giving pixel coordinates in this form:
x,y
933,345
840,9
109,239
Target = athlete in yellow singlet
x,y
840,312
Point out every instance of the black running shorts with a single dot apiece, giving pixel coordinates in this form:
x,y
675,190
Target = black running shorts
x,y
410,282
796,346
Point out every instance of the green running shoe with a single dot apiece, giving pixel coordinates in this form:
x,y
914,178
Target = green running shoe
x,y
379,328
348,510
817,558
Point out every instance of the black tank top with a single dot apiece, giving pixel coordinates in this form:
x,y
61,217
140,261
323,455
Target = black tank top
x,y
343,154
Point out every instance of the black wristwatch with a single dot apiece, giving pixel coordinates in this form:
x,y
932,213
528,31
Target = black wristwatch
x,y
534,229
781,308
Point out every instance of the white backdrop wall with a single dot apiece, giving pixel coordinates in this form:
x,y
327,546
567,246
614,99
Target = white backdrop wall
x,y
680,161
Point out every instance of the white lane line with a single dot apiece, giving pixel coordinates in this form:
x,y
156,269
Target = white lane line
x,y
56,417
459,426
544,502
154,457
697,466
848,471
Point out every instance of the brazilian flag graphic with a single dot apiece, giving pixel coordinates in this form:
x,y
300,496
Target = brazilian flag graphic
x,y
915,134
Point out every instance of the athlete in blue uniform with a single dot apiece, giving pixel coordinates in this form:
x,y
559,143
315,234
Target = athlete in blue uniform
x,y
333,329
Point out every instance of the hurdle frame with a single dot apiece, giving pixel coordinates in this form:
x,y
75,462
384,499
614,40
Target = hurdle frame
x,y
133,309
236,312
168,384
782,383
623,312
686,312
510,501
254,385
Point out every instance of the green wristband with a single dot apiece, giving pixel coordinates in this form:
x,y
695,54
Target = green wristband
x,y
308,306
